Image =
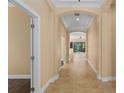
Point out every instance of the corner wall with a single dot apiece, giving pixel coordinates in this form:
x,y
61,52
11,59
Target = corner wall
x,y
92,45
50,39
108,42
64,43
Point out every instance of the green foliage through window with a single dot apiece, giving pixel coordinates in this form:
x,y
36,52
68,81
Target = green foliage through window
x,y
79,46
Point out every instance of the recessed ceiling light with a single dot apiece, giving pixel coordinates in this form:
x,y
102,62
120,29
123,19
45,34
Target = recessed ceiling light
x,y
77,19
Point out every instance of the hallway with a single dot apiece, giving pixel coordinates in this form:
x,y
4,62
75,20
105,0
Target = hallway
x,y
78,77
58,31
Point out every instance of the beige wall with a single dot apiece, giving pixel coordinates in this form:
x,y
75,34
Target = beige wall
x,y
106,50
92,41
108,42
50,36
64,43
50,39
19,42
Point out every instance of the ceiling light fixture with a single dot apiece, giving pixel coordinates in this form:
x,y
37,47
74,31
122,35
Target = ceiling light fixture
x,y
77,19
79,0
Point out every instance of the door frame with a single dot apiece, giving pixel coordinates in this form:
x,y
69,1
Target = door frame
x,y
36,42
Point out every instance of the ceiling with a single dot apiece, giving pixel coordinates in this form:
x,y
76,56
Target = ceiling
x,y
77,36
77,22
76,3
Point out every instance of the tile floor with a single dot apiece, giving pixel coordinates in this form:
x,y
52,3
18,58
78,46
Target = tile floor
x,y
78,77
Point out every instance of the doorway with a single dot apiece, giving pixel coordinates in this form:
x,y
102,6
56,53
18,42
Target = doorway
x,y
34,47
20,50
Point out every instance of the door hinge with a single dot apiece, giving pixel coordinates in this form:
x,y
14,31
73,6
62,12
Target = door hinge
x,y
32,57
32,26
32,89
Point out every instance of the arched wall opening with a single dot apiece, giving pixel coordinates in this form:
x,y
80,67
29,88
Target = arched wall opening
x,y
98,44
78,43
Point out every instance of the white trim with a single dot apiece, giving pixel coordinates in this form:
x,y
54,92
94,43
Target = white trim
x,y
99,77
70,58
37,62
67,61
104,79
92,66
10,4
19,76
94,69
53,79
36,48
108,78
21,4
61,67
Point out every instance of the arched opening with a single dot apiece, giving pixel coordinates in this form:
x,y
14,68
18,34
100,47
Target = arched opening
x,y
78,23
78,42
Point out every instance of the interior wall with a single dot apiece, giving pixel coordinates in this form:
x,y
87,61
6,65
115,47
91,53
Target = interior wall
x,y
92,41
50,39
64,43
18,42
109,42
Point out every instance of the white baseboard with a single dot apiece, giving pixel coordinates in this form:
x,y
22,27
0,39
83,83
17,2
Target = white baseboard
x,y
92,66
70,58
108,78
104,79
65,61
94,69
60,68
53,79
99,77
19,76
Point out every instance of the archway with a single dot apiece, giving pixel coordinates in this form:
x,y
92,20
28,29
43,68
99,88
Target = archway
x,y
97,16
